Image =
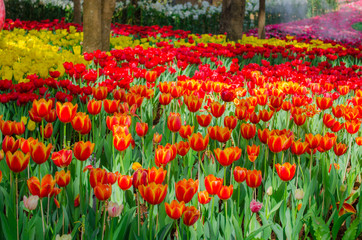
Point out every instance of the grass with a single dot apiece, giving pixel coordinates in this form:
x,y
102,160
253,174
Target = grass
x,y
357,26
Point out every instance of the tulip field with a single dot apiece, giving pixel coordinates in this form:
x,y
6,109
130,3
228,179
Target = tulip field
x,y
174,135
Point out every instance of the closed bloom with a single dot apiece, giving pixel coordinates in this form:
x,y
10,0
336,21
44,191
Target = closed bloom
x,y
110,106
230,122
114,210
191,215
223,134
48,130
97,175
182,148
203,197
83,150
39,152
124,182
359,141
193,102
66,112
163,155
140,177
17,162
175,209
122,141
42,189
157,138
141,129
353,126
299,194
94,107
240,174
298,147
103,191
253,152
204,120
328,141
62,178
42,107
324,102
255,206
213,184
248,130
156,175
227,156
225,192
286,171
30,202
174,122
217,109
82,123
340,149
165,98
186,131
10,145
153,193
253,178
186,189
62,158
313,141
198,143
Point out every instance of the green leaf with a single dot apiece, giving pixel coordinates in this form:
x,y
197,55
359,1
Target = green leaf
x,y
321,229
163,233
276,207
351,231
256,232
337,225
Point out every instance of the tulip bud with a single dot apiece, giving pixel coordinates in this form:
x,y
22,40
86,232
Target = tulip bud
x,y
299,194
63,237
114,210
269,191
343,188
31,203
255,206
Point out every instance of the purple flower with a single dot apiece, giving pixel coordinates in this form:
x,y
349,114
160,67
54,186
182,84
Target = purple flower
x,y
255,206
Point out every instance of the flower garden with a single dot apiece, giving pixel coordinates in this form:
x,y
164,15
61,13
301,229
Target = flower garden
x,y
174,135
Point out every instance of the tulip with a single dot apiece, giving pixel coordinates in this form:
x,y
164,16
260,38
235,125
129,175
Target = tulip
x,y
30,202
122,141
358,141
48,130
186,189
153,193
81,123
134,99
2,155
276,143
94,107
324,102
338,111
140,177
212,131
97,175
248,130
299,119
276,102
151,76
228,95
225,157
114,210
156,175
26,143
176,91
337,126
340,149
62,158
110,106
191,215
77,201
10,145
265,115
17,162
39,152
141,129
269,191
298,147
255,206
42,189
253,152
163,155
124,182
66,112
313,141
198,143
253,178
83,150
165,98
182,148
174,122
100,93
217,109
286,171
186,131
33,116
213,184
19,128
240,174
112,177
136,165
299,194
164,87
263,135
328,120
223,134
328,141
175,209
42,107
241,112
225,192
62,178
103,191
193,102
203,197
254,118
230,122
157,138
262,99
352,127
52,116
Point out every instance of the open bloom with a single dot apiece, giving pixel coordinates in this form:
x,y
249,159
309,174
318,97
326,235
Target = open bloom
x,y
124,182
255,206
62,158
227,156
213,184
42,107
66,112
83,150
175,209
42,189
103,191
39,152
122,141
17,162
186,131
186,189
153,193
62,178
286,171
156,175
198,143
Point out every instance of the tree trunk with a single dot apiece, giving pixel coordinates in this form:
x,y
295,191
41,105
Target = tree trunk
x,y
232,18
77,17
261,20
97,17
108,7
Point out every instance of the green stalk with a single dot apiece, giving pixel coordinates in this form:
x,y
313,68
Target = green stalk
x,y
212,209
178,230
81,188
247,226
42,130
150,220
224,176
104,218
139,214
65,135
17,205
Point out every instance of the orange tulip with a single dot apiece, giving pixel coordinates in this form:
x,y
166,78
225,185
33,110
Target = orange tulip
x,y
81,123
165,98
262,99
225,157
338,111
212,131
328,120
223,134
298,147
253,152
140,177
353,126
240,174
186,131
52,116
217,109
225,192
48,130
163,155
324,102
213,184
337,126
193,102
340,149
66,112
186,189
103,191
110,106
248,130
241,112
83,150
2,155
134,99
122,141
276,143
191,215
203,197
39,152
176,91
62,158
151,76
175,209
26,143
19,128
10,145
164,87
62,178
286,171
198,143
153,193
359,141
42,107
182,148
204,120
43,189
263,135
112,177
94,107
157,138
124,182
156,175
328,141
100,92
17,162
276,102
174,122
141,129
253,178
254,118
97,175
313,141
32,116
230,122
299,119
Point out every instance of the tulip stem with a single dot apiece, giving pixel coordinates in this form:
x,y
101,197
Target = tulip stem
x,y
17,206
150,220
104,218
247,226
178,230
42,215
97,206
42,130
212,210
273,179
48,209
310,165
348,159
224,176
138,213
81,188
226,211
